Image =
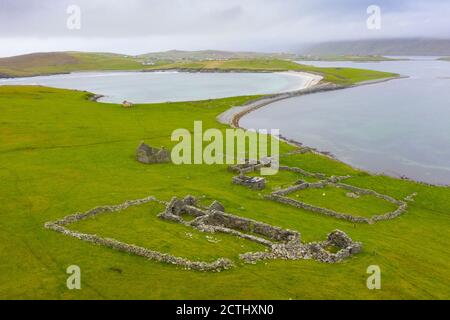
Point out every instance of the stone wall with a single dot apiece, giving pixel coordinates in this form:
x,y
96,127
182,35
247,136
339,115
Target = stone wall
x,y
249,166
358,190
280,196
283,243
256,183
103,209
59,226
303,172
212,220
216,218
315,250
218,265
309,207
149,155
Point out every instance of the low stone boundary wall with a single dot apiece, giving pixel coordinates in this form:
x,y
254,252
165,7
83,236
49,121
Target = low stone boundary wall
x,y
219,264
221,229
281,197
103,209
314,250
369,192
283,243
303,172
309,207
58,226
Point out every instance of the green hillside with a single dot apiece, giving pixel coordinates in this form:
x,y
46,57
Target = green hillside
x,y
382,47
65,62
343,76
201,55
61,153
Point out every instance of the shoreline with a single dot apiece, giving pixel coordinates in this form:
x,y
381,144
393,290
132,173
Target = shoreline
x,y
315,84
233,115
312,79
313,87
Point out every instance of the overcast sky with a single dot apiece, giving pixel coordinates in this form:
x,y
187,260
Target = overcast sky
x,y
139,26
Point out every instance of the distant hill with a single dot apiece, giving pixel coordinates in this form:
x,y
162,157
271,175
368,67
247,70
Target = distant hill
x,y
49,63
383,47
178,55
64,62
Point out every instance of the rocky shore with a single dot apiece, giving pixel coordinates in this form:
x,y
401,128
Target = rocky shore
x,y
233,115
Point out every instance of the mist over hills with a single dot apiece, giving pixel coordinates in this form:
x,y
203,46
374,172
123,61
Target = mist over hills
x,y
177,55
69,61
399,47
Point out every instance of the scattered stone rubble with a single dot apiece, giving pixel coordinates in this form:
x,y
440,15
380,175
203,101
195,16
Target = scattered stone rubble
x,y
148,155
280,243
249,166
295,250
304,172
411,197
352,195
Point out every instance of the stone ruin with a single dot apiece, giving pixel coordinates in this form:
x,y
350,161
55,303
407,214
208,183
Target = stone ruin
x,y
319,251
280,243
61,227
249,166
149,155
335,181
255,183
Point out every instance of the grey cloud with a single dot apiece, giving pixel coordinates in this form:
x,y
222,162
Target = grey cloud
x,y
224,24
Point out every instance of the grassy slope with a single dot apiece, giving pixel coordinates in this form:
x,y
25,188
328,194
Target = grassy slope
x,y
344,76
366,205
152,232
60,153
49,63
179,55
64,62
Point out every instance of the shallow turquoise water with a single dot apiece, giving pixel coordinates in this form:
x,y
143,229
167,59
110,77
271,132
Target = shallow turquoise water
x,y
146,87
400,127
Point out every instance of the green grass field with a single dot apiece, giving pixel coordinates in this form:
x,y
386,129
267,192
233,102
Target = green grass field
x,y
335,199
65,62
60,154
152,232
342,76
